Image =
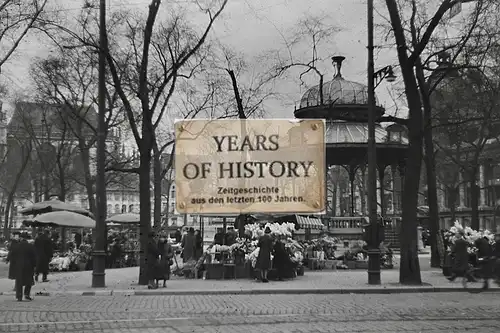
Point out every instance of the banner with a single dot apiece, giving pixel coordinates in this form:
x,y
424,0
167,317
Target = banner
x,y
250,166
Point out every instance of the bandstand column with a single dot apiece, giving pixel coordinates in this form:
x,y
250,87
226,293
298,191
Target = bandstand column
x,y
337,200
381,176
461,191
482,187
442,197
351,181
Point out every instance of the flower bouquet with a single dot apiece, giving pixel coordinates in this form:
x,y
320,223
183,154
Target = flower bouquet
x,y
470,235
277,229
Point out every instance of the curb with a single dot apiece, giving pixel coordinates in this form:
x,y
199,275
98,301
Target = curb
x,y
325,291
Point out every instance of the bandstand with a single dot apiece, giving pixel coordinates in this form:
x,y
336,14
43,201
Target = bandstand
x,y
344,106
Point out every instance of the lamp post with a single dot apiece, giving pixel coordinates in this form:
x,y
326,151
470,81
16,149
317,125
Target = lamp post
x,y
388,74
99,254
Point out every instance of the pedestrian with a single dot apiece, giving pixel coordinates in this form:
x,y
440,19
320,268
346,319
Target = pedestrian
x,y
264,258
461,262
281,259
166,255
13,243
188,246
152,264
178,235
78,239
198,244
24,258
44,252
496,259
484,254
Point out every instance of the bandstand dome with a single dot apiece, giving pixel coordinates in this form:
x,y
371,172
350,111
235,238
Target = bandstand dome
x,y
338,99
338,91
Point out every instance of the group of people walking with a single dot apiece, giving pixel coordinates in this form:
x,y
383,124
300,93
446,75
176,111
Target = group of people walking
x,y
487,257
27,261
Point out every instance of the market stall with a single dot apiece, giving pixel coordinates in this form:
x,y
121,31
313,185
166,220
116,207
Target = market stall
x,y
238,260
54,205
123,240
71,258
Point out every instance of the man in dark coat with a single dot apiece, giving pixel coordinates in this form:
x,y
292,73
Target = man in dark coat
x,y
264,258
461,262
24,258
44,252
13,243
496,259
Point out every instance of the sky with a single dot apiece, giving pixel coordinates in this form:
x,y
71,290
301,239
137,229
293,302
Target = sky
x,y
254,27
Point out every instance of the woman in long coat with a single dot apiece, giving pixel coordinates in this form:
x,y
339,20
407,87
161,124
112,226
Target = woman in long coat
x,y
167,254
281,259
264,259
189,246
198,244
152,264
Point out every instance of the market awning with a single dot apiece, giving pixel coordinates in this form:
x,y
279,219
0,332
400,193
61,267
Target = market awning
x,y
306,222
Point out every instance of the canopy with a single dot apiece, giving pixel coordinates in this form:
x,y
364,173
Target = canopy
x,y
125,218
63,219
306,222
54,206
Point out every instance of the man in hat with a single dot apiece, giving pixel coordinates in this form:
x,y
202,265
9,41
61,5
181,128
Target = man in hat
x,y
24,260
13,243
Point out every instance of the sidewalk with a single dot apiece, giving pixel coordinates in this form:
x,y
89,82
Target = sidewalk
x,y
124,282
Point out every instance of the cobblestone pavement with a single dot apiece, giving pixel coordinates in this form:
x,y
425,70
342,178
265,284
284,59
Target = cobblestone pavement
x,y
441,312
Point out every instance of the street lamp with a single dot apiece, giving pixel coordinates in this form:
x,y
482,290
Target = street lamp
x,y
99,255
374,79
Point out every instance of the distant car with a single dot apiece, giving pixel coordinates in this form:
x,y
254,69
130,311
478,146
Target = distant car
x,y
3,253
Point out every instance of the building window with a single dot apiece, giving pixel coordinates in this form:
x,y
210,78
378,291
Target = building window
x,y
124,209
131,208
117,209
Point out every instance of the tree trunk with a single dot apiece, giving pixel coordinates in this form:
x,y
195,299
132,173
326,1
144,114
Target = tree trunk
x,y
409,271
85,157
12,193
157,174
474,196
145,200
453,204
62,182
432,199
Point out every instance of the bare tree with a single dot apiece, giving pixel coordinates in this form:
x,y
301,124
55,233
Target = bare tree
x,y
17,18
146,59
465,111
414,36
68,79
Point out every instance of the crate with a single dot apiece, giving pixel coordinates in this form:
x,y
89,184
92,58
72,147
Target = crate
x,y
214,271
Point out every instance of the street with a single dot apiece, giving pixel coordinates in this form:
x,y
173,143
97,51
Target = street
x,y
434,312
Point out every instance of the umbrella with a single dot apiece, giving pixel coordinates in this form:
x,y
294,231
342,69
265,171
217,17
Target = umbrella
x,y
64,219
54,206
125,218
